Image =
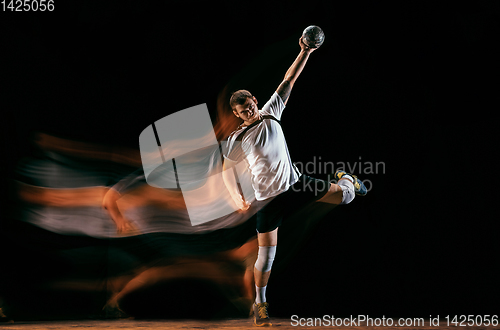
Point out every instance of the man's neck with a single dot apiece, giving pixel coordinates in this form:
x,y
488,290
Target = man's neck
x,y
248,123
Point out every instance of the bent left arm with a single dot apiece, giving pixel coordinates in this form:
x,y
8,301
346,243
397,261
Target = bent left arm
x,y
294,71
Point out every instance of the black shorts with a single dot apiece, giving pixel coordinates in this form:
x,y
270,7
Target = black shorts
x,y
301,193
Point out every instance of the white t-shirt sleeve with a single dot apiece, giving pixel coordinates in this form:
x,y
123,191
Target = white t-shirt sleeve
x,y
231,149
274,106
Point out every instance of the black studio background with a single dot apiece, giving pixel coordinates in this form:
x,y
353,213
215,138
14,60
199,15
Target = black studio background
x,y
413,85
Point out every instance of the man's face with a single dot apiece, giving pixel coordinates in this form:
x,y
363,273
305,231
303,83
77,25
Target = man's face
x,y
247,111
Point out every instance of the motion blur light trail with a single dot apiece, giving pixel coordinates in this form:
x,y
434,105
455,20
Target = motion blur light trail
x,y
63,234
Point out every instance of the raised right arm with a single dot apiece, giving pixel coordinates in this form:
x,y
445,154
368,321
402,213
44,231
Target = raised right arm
x,y
294,71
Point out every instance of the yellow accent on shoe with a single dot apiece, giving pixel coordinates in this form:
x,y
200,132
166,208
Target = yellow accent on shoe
x,y
261,316
356,182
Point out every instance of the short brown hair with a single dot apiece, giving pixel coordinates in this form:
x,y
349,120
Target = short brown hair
x,y
239,97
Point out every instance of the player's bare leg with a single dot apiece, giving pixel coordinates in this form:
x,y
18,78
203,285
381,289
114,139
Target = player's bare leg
x,y
262,270
264,240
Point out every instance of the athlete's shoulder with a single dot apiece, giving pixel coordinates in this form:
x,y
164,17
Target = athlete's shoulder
x,y
274,106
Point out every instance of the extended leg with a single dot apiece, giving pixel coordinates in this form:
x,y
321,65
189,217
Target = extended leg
x,y
340,193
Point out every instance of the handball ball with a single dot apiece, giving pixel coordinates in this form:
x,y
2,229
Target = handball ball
x,y
313,36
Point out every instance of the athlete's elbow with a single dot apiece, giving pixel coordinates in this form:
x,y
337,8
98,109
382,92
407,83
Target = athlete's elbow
x,y
288,81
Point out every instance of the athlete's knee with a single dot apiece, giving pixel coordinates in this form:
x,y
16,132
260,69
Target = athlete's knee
x,y
265,258
348,193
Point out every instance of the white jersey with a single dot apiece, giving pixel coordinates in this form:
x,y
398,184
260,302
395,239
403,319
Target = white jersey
x,y
266,153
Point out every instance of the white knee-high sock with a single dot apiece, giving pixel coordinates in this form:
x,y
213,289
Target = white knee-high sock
x,y
347,187
347,176
260,297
